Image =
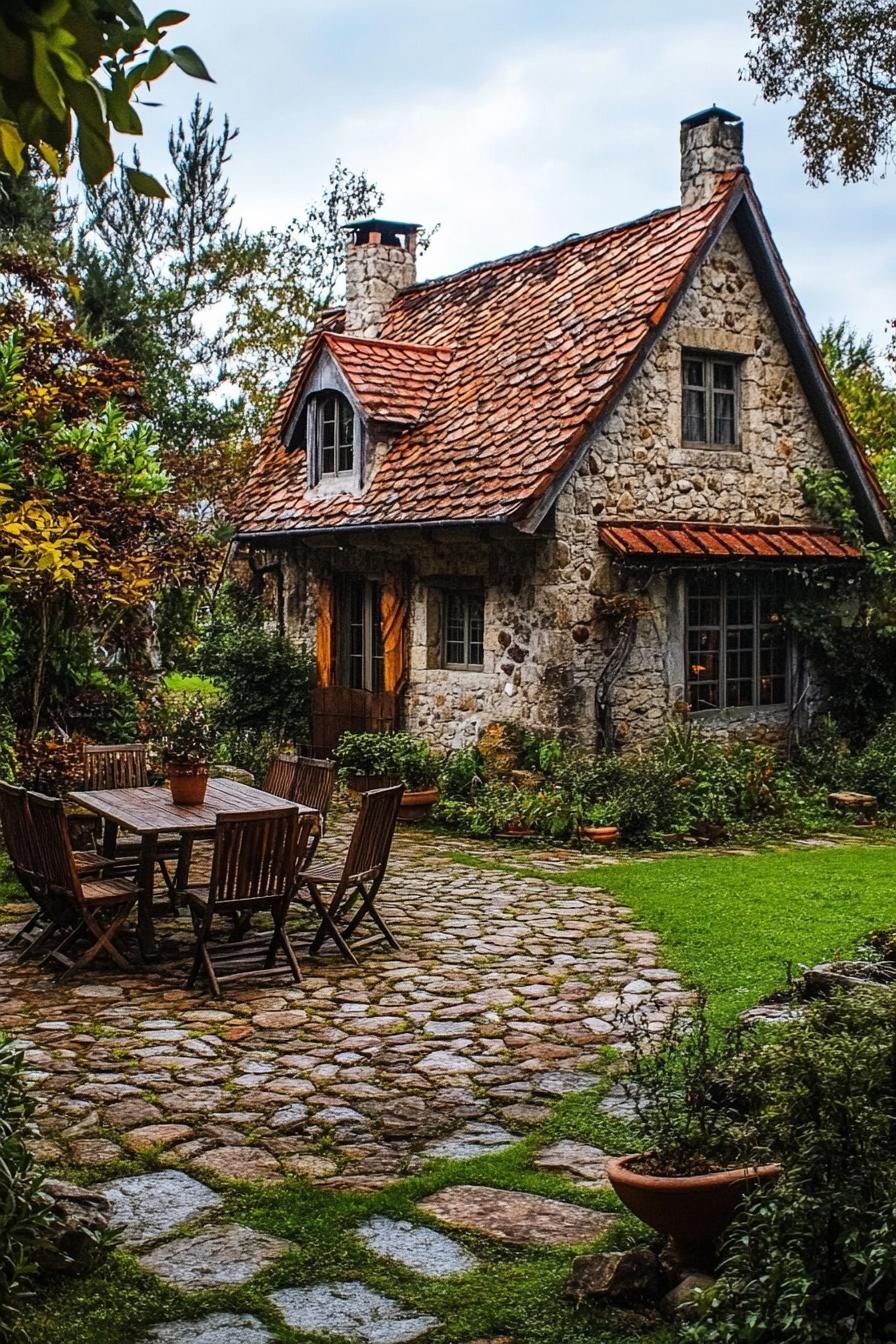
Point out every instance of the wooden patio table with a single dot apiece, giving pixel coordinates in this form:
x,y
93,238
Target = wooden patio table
x,y
149,812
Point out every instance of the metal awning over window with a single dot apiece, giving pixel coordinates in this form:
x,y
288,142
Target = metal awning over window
x,y
675,541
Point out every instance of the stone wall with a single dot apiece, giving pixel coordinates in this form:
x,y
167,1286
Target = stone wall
x,y
546,637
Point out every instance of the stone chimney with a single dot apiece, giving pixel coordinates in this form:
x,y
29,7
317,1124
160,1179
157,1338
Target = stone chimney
x,y
379,261
712,142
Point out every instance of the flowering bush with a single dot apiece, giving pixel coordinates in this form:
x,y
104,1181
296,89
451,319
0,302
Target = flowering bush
x,y
180,729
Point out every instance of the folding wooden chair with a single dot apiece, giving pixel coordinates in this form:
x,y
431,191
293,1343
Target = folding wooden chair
x,y
100,905
315,782
254,868
123,766
358,879
280,777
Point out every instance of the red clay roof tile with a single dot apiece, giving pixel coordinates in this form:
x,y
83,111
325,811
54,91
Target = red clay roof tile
x,y
499,370
724,541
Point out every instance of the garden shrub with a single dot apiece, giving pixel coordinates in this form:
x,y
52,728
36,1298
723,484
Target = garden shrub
x,y
810,1259
265,679
874,768
396,756
8,763
23,1214
50,763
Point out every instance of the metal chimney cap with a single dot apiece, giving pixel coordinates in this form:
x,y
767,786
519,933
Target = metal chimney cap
x,y
710,114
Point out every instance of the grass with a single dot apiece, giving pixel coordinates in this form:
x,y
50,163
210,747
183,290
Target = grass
x,y
733,923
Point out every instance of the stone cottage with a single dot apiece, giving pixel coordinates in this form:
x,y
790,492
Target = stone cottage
x,y
561,488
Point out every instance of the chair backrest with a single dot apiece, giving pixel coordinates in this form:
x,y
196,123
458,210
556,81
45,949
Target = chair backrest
x,y
53,857
256,856
281,776
315,782
371,841
116,767
18,831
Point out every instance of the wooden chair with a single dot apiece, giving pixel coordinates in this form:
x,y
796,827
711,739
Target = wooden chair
x,y
315,782
358,879
101,905
254,868
280,777
123,766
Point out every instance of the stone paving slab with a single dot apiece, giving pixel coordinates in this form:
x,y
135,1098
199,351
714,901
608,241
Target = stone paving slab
x,y
351,1311
222,1327
419,1248
515,1217
223,1256
579,1162
486,1014
147,1207
475,1139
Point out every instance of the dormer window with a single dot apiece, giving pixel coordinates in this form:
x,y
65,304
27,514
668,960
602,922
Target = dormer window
x,y
335,436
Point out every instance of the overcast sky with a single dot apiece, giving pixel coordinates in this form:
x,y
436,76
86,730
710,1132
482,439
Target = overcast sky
x,y
516,122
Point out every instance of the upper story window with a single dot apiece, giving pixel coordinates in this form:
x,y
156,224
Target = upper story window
x,y
334,436
709,402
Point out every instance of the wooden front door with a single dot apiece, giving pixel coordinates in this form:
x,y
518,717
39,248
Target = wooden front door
x,y
357,700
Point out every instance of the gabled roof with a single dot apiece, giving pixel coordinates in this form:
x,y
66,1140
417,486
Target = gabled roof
x,y
391,380
533,351
723,541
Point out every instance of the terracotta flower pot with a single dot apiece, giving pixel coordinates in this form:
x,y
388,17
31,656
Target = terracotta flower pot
x,y
364,783
515,829
416,803
693,1210
600,835
188,784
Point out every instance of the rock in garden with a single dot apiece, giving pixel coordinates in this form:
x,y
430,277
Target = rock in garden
x,y
515,1217
78,1218
617,1276
681,1301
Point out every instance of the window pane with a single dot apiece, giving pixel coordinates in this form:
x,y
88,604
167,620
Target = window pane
x,y
695,416
455,628
356,634
375,626
477,630
346,436
723,376
723,417
693,372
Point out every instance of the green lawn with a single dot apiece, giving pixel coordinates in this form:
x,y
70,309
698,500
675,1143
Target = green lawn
x,y
732,922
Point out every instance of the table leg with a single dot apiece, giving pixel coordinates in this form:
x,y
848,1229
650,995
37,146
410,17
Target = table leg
x,y
146,932
110,839
184,859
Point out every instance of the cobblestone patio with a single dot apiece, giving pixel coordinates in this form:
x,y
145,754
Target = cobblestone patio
x,y
505,987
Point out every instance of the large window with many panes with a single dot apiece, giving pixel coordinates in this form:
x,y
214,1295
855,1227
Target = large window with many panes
x,y
709,400
464,628
736,641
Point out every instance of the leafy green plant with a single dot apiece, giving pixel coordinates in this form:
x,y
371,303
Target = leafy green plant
x,y
180,729
460,772
678,1081
23,1215
810,1259
396,756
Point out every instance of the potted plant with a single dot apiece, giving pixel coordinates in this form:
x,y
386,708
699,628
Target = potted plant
x,y
698,1159
376,760
184,737
599,823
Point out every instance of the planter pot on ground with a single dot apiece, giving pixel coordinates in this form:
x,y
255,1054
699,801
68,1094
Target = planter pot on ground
x,y
600,835
416,803
515,830
693,1210
187,783
364,783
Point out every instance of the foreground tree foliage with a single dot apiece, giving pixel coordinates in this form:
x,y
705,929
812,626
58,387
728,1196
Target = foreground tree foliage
x,y
70,71
90,527
837,58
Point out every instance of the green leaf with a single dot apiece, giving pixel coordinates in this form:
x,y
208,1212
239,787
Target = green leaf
x,y
94,153
167,19
157,64
11,146
144,184
191,64
13,54
46,81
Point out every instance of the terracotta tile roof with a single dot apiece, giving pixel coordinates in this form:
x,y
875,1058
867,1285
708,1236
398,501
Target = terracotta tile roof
x,y
542,343
392,380
723,541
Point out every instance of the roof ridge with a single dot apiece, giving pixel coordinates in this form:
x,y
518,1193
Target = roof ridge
x,y
511,258
379,341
